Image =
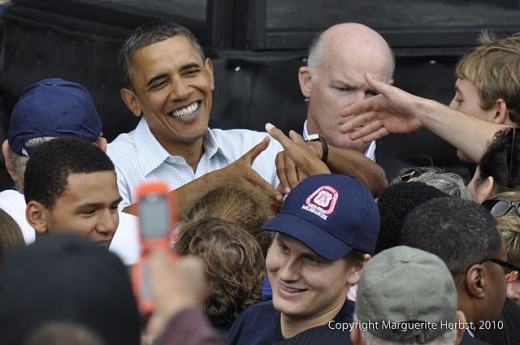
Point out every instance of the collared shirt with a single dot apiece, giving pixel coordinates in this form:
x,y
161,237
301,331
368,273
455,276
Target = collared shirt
x,y
370,152
139,157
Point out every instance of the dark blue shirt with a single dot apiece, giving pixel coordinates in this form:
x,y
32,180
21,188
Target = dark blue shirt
x,y
260,325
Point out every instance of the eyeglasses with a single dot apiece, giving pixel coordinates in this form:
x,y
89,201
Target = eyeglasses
x,y
510,269
499,208
408,174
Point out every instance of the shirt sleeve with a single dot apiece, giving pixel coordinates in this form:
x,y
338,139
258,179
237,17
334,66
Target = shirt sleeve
x,y
190,327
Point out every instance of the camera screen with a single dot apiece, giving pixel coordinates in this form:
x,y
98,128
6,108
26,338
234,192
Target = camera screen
x,y
154,216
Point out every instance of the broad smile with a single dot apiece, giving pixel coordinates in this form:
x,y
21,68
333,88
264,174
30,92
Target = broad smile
x,y
287,291
185,112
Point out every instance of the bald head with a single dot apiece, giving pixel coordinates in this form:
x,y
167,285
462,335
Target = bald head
x,y
357,42
334,78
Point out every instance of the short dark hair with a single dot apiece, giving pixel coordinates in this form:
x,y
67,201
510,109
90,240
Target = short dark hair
x,y
394,204
148,34
501,160
48,168
460,232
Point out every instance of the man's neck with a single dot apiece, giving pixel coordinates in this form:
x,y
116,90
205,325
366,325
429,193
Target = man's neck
x,y
291,326
192,153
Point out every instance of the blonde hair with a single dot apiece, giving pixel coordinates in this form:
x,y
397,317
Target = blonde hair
x,y
493,67
248,206
509,226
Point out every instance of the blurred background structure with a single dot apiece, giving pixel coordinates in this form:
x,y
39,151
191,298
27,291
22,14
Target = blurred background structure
x,y
257,47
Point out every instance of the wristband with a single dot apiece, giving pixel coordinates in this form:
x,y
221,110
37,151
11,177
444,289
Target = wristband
x,y
324,145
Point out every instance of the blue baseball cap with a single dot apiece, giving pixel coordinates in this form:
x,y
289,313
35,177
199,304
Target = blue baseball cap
x,y
53,108
331,214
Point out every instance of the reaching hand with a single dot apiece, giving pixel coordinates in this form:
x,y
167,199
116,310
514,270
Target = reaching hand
x,y
175,287
392,111
241,171
297,161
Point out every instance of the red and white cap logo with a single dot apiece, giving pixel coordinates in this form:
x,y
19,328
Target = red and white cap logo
x,y
323,200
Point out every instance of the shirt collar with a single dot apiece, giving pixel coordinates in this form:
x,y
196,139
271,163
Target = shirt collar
x,y
148,146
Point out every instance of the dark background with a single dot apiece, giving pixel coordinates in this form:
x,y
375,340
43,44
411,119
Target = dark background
x,y
256,47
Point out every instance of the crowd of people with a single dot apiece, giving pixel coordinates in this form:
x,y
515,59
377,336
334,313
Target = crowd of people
x,y
308,237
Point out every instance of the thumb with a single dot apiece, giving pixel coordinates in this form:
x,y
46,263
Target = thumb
x,y
251,155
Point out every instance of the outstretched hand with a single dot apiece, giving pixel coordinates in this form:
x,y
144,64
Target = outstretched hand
x,y
297,161
391,111
241,171
175,286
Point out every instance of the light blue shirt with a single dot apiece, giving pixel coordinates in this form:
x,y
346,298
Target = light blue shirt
x,y
139,157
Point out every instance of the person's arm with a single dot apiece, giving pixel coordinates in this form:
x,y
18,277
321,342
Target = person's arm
x,y
179,289
397,111
303,163
240,171
190,327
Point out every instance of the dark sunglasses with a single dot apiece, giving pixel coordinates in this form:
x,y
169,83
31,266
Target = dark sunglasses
x,y
498,208
510,269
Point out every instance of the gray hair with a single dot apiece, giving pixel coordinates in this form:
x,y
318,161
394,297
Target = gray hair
x,y
449,183
19,162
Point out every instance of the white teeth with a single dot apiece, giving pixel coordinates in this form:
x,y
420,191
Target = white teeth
x,y
185,112
291,290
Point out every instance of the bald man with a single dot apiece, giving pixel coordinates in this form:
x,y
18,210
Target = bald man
x,y
334,78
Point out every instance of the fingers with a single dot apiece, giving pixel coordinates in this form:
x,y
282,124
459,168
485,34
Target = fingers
x,y
278,135
297,138
293,150
375,84
286,171
378,134
251,155
359,122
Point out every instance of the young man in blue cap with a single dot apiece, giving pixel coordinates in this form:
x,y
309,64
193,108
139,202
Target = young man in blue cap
x,y
325,232
48,109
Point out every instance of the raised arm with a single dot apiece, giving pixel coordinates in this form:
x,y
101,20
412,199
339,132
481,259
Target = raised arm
x,y
240,171
397,111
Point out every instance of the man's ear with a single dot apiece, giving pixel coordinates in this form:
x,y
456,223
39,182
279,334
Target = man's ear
x,y
304,77
356,336
475,282
502,113
6,151
461,327
131,101
354,275
101,142
37,216
486,190
209,67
